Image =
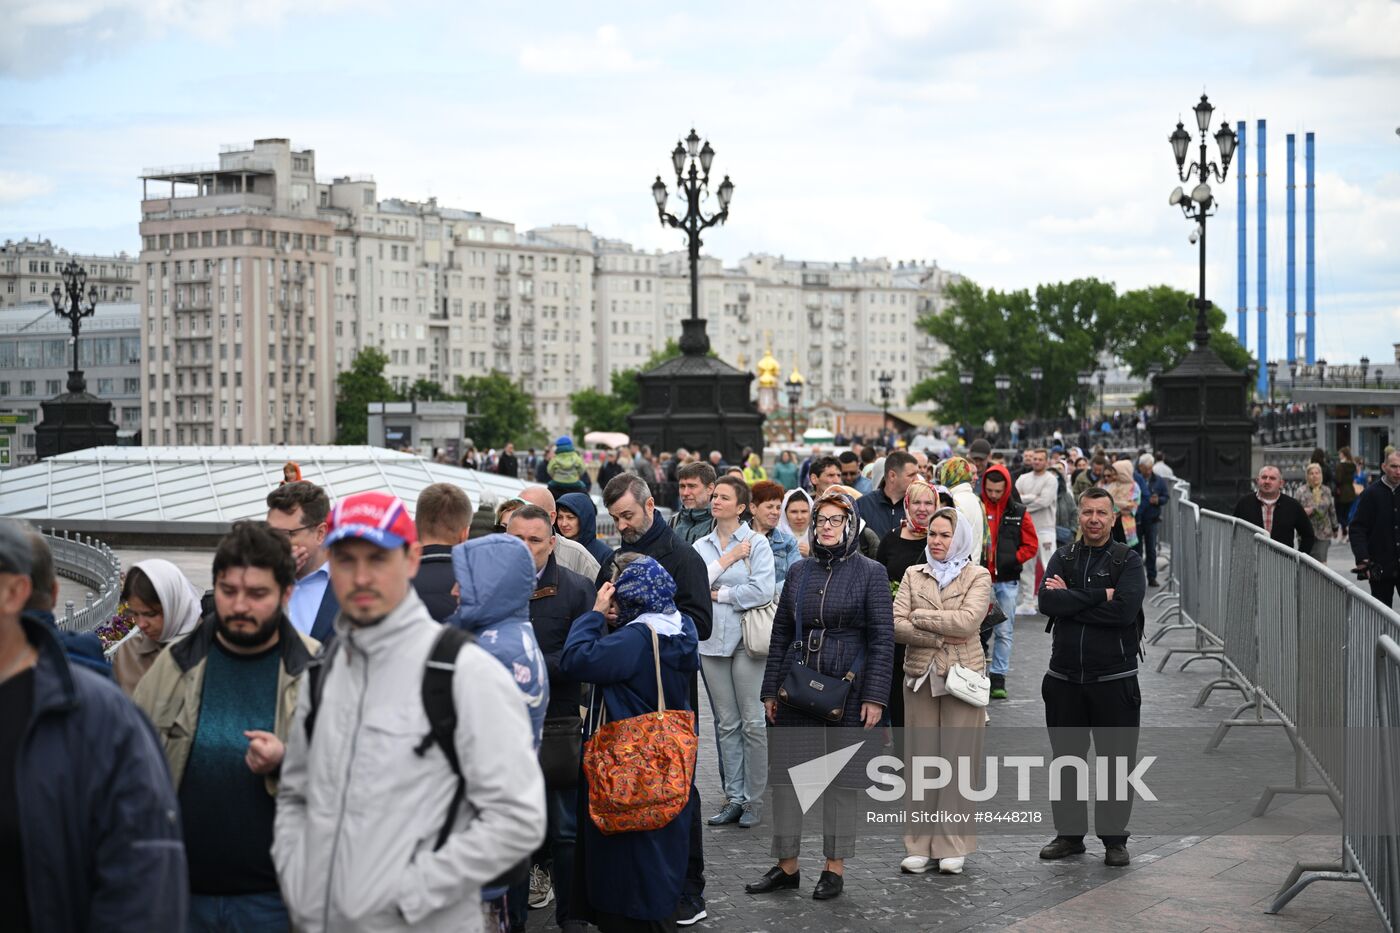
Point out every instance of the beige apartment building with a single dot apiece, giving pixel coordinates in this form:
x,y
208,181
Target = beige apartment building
x,y
29,270
234,283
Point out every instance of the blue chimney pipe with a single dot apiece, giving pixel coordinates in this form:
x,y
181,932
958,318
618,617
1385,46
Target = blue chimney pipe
x,y
1311,214
1263,236
1292,348
1242,225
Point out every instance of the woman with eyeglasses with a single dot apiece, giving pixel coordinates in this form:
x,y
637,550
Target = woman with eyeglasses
x,y
165,607
839,600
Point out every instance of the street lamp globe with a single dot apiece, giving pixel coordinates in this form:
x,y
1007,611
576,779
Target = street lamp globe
x,y
726,191
965,378
707,156
1180,140
678,159
1203,112
1003,382
658,191
1225,138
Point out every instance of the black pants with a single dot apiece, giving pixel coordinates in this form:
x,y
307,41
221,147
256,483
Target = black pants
x,y
1107,713
1383,590
616,923
695,868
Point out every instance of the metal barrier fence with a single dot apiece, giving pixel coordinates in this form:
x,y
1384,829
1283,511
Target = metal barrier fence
x,y
91,563
1313,655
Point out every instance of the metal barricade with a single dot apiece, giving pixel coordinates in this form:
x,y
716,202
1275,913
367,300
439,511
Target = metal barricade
x,y
1214,548
92,564
1385,884
1185,516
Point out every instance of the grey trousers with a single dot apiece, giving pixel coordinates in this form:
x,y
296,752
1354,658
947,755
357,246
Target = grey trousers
x,y
838,822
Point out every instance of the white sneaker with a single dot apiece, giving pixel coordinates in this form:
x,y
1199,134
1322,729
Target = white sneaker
x,y
950,866
916,864
541,888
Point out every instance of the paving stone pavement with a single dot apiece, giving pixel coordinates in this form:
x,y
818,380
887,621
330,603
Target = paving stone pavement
x,y
1214,881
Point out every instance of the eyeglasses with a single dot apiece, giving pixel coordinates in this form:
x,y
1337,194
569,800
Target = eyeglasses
x,y
835,521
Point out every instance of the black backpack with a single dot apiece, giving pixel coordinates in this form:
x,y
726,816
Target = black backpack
x,y
442,724
1118,554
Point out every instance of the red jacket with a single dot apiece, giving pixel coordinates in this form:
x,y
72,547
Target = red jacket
x,y
1006,513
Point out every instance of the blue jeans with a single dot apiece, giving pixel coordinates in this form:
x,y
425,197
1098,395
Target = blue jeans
x,y
558,850
253,913
1005,595
734,684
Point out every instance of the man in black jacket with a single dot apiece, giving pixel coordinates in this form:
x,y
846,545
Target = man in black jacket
x,y
560,597
444,519
883,509
1375,531
507,464
89,822
1279,514
1093,594
628,500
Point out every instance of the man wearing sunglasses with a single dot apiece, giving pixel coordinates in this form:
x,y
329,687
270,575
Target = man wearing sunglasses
x,y
300,510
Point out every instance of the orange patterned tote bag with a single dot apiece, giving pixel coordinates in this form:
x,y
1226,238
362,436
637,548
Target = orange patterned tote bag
x,y
639,770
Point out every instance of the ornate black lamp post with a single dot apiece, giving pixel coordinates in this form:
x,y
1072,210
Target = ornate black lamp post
x,y
1198,205
1086,379
965,380
1202,426
693,184
1103,377
75,420
1365,365
1037,374
886,392
1272,368
1292,377
1003,383
695,400
794,395
1322,372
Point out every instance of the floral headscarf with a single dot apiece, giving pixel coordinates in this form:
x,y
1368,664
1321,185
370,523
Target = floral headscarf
x,y
954,472
850,532
647,593
917,485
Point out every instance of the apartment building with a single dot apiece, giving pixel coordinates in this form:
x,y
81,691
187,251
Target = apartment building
x,y
234,283
30,269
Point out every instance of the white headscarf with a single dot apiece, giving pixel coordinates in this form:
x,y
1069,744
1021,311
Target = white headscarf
x,y
782,516
179,600
959,552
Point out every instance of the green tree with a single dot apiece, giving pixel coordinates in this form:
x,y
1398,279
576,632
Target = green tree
x,y
359,385
426,390
1058,328
501,411
1158,325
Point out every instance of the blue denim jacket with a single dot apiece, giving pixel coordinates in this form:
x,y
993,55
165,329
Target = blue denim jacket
x,y
744,584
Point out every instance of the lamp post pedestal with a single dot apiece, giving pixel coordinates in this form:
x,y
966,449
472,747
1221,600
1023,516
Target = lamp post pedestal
x,y
697,402
75,420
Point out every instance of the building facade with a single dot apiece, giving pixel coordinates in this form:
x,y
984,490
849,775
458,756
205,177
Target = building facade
x,y
30,269
235,291
36,354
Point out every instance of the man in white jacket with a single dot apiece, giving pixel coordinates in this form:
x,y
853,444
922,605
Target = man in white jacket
x,y
361,805
1039,492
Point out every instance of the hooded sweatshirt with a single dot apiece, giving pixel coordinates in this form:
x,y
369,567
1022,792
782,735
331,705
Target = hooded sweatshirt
x,y
566,469
581,505
1011,535
496,577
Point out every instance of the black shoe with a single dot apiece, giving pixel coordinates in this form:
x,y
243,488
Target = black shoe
x,y
775,880
1059,847
829,885
729,814
1116,856
691,910
1153,583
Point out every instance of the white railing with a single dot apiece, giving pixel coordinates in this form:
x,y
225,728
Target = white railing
x,y
93,564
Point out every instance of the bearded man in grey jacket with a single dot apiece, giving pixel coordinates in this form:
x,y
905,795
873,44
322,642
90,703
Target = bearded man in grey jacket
x,y
363,799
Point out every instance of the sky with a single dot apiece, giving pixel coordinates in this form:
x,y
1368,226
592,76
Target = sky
x,y
1016,143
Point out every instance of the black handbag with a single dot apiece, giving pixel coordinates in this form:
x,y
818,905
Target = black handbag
x,y
993,618
808,690
561,749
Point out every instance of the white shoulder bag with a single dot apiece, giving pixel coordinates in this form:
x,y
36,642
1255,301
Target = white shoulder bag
x,y
969,686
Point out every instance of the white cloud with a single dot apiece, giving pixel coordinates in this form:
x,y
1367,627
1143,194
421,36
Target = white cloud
x,y
21,186
603,52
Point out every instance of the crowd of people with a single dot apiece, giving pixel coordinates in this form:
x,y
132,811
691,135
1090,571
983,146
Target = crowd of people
x,y
376,721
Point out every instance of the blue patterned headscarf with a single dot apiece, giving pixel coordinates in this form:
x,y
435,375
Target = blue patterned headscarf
x,y
644,588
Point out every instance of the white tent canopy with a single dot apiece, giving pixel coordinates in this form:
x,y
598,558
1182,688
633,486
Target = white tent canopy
x,y
608,439
202,489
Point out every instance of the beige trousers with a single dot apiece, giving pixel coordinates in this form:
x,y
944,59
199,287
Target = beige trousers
x,y
945,727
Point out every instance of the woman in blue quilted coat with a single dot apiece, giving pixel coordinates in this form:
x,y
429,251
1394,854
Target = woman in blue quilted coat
x,y
841,600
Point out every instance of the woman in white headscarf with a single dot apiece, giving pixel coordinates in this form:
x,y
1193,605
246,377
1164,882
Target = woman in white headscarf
x,y
165,607
796,518
937,614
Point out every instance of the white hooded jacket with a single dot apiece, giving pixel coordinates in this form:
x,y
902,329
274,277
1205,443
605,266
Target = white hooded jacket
x,y
358,813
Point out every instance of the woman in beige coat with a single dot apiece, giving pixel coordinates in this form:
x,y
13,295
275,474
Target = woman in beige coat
x,y
165,605
937,614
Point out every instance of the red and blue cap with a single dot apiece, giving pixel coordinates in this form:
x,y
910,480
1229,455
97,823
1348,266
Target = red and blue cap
x,y
376,517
